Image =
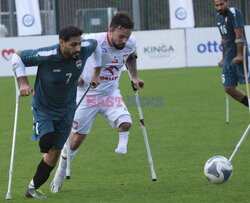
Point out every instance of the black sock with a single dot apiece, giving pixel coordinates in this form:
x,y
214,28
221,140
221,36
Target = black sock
x,y
42,174
244,101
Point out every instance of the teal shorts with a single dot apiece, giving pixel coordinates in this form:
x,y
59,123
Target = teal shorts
x,y
232,74
58,126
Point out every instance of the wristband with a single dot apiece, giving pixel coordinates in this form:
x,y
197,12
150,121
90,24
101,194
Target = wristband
x,y
239,41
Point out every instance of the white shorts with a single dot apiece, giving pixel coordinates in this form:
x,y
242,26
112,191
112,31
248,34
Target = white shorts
x,y
111,107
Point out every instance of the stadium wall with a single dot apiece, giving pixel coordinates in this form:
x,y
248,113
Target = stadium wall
x,y
156,49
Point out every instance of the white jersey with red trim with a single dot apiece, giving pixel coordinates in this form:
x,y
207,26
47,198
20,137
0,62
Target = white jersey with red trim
x,y
113,60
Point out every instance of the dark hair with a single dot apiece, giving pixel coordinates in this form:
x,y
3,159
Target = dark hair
x,y
122,19
69,31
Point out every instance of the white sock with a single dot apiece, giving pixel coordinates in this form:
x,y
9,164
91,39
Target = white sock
x,y
63,157
123,141
31,185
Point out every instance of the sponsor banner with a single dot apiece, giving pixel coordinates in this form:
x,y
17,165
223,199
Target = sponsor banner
x,y
204,46
160,49
181,13
10,45
28,17
156,49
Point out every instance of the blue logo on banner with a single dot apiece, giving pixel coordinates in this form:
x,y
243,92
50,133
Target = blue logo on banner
x,y
181,13
28,20
210,46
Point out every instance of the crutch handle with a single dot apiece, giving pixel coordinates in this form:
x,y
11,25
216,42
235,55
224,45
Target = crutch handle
x,y
133,85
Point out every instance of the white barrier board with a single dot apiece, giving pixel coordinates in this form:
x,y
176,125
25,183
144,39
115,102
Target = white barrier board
x,y
204,46
13,44
160,49
156,49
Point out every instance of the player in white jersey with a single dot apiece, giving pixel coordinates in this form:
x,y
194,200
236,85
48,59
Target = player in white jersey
x,y
118,49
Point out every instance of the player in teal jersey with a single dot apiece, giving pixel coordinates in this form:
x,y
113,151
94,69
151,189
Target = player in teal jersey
x,y
231,26
54,95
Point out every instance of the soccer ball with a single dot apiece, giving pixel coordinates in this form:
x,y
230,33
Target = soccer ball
x,y
218,169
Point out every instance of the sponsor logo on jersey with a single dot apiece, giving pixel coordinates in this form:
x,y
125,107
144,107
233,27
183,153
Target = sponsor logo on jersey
x,y
111,68
78,64
108,78
57,70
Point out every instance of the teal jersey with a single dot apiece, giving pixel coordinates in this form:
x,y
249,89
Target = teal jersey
x,y
227,24
56,79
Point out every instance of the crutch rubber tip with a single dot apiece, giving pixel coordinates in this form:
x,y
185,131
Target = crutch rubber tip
x,y
154,179
8,196
67,177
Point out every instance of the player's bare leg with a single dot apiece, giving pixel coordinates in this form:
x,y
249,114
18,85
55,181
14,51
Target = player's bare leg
x,y
237,94
76,140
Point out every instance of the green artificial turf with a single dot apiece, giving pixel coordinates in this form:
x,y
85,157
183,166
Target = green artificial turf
x,y
185,117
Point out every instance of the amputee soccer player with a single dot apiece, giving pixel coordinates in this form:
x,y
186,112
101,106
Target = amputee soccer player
x,y
54,95
118,49
230,22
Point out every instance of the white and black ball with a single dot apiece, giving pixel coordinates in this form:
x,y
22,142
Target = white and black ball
x,y
218,169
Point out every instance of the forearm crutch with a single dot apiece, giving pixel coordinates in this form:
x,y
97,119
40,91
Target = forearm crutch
x,y
227,108
68,140
150,160
240,142
246,74
8,195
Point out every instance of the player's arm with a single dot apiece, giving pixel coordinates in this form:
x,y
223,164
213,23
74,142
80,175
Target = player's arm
x,y
80,82
24,86
223,53
97,56
132,68
239,41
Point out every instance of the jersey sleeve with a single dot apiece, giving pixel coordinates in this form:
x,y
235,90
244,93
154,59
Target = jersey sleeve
x,y
131,44
35,57
238,20
88,45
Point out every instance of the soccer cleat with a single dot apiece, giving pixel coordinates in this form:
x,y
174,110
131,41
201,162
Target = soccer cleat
x,y
121,150
35,193
57,182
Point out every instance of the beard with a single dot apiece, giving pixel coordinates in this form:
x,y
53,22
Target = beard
x,y
118,46
223,12
73,55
